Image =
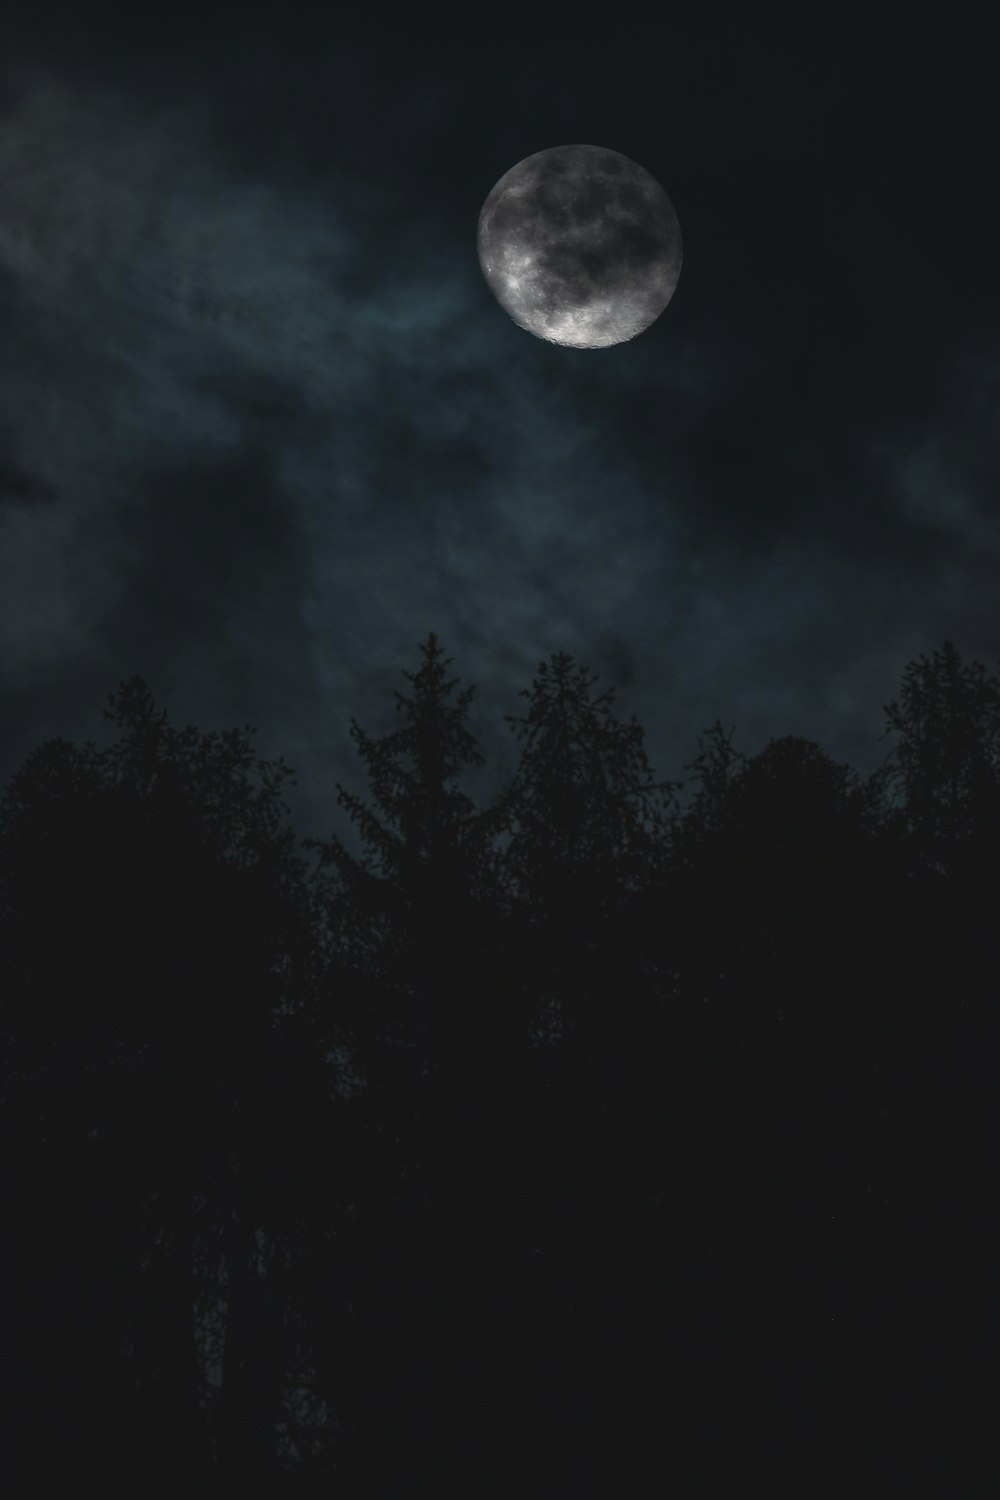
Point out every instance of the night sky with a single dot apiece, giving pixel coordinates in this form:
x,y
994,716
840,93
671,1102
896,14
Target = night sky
x,y
263,425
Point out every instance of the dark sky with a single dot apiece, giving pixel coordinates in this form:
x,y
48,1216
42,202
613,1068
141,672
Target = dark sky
x,y
263,425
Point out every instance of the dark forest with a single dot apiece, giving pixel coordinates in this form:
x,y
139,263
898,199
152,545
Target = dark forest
x,y
620,1137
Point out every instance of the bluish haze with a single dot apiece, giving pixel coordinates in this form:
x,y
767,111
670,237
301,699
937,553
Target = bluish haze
x,y
263,426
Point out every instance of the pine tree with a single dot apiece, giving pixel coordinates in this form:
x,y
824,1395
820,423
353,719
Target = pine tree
x,y
588,836
946,762
586,807
156,945
418,916
944,774
412,911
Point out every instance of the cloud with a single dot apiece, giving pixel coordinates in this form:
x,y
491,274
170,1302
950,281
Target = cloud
x,y
271,429
18,486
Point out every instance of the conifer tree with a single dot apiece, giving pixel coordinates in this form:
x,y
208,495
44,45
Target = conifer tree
x,y
414,908
155,924
588,830
945,764
417,914
586,807
943,774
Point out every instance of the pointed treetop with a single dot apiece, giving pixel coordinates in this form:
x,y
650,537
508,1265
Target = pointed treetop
x,y
420,816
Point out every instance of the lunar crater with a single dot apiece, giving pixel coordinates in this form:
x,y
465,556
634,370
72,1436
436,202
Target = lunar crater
x,y
580,245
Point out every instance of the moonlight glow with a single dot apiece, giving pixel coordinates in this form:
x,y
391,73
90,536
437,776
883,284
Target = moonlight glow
x,y
580,245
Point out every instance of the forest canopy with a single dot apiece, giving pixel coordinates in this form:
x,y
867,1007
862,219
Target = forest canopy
x,y
509,1149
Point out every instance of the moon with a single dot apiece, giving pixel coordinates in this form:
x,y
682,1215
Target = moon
x,y
580,246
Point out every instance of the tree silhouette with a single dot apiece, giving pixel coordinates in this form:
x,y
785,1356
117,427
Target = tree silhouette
x,y
536,1148
587,820
586,846
943,828
415,910
419,913
945,764
585,801
146,1047
771,845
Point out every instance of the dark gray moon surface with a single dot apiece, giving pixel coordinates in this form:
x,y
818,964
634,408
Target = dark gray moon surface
x,y
580,246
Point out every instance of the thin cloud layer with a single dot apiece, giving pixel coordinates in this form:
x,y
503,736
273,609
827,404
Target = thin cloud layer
x,y
263,427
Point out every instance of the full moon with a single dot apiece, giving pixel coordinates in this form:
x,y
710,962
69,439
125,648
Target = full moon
x,y
580,246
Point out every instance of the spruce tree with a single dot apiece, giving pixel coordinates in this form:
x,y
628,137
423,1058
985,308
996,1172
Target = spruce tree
x,y
945,764
588,828
412,908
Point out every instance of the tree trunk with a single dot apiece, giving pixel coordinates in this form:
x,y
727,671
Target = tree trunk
x,y
251,1379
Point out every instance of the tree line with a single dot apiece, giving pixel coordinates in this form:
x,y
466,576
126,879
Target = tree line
x,y
617,1132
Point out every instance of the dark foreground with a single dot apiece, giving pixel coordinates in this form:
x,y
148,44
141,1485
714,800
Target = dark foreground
x,y
599,1142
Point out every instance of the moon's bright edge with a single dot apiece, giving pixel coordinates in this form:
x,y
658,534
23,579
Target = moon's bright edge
x,y
580,245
